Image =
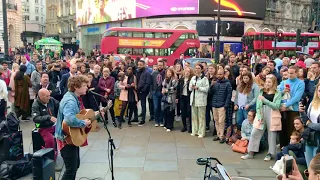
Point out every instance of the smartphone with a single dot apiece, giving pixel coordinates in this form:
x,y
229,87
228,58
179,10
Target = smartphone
x,y
288,86
288,165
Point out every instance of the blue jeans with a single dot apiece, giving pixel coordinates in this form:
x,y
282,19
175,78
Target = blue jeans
x,y
241,116
158,115
310,152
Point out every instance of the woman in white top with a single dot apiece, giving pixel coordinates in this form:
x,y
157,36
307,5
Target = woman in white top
x,y
312,119
145,58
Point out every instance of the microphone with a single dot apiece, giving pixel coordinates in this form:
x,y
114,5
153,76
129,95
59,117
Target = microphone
x,y
92,92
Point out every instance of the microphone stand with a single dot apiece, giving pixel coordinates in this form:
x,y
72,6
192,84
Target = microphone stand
x,y
110,140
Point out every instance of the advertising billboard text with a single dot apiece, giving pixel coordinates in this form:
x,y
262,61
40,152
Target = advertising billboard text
x,y
99,11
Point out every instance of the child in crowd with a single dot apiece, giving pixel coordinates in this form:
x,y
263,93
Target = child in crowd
x,y
296,147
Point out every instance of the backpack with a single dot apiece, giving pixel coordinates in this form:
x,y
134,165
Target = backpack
x,y
11,170
10,124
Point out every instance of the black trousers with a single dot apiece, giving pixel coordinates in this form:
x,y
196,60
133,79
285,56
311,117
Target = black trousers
x,y
186,111
287,118
132,108
151,108
168,118
3,106
178,108
143,101
71,159
111,110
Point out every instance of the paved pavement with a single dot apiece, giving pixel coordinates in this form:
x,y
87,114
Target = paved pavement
x,y
150,153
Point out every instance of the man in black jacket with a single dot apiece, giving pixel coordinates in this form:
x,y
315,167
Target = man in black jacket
x,y
221,91
144,83
44,114
45,83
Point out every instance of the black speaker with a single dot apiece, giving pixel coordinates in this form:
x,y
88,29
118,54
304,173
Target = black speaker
x,y
43,164
37,140
11,146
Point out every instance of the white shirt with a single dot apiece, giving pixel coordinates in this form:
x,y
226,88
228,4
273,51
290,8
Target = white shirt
x,y
3,90
185,88
314,113
242,99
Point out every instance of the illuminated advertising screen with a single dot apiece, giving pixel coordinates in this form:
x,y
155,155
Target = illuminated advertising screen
x,y
99,11
147,8
239,8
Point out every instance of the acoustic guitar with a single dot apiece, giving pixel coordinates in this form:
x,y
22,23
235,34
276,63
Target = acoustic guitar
x,y
77,136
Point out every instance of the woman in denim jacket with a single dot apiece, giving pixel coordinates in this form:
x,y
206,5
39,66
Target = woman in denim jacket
x,y
246,97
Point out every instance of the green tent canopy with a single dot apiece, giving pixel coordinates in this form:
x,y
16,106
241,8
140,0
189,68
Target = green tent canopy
x,y
48,43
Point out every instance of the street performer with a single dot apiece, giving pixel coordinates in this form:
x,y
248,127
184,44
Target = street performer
x,y
69,107
44,114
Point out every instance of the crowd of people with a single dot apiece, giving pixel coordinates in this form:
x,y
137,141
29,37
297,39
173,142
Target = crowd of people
x,y
258,98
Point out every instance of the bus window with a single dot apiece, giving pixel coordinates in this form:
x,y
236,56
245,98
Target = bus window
x,y
313,38
160,35
148,35
190,52
168,35
177,43
137,51
191,36
184,36
171,50
125,34
110,34
124,50
160,52
149,52
137,34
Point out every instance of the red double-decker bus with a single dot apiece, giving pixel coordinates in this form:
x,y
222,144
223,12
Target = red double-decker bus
x,y
258,41
155,43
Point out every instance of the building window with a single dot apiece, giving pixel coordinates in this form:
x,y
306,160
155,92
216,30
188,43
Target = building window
x,y
37,10
37,18
26,18
37,1
26,9
41,20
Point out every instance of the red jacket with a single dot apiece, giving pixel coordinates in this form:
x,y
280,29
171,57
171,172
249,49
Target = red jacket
x,y
104,84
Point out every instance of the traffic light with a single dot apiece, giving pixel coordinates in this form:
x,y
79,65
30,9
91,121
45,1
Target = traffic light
x,y
305,41
298,38
280,36
210,41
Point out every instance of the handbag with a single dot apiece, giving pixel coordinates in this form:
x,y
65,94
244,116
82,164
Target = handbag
x,y
313,138
241,146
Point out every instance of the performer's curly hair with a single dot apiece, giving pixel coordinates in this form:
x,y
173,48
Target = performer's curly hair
x,y
76,82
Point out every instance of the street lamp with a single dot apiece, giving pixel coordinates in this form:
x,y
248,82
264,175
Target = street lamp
x,y
5,30
217,42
